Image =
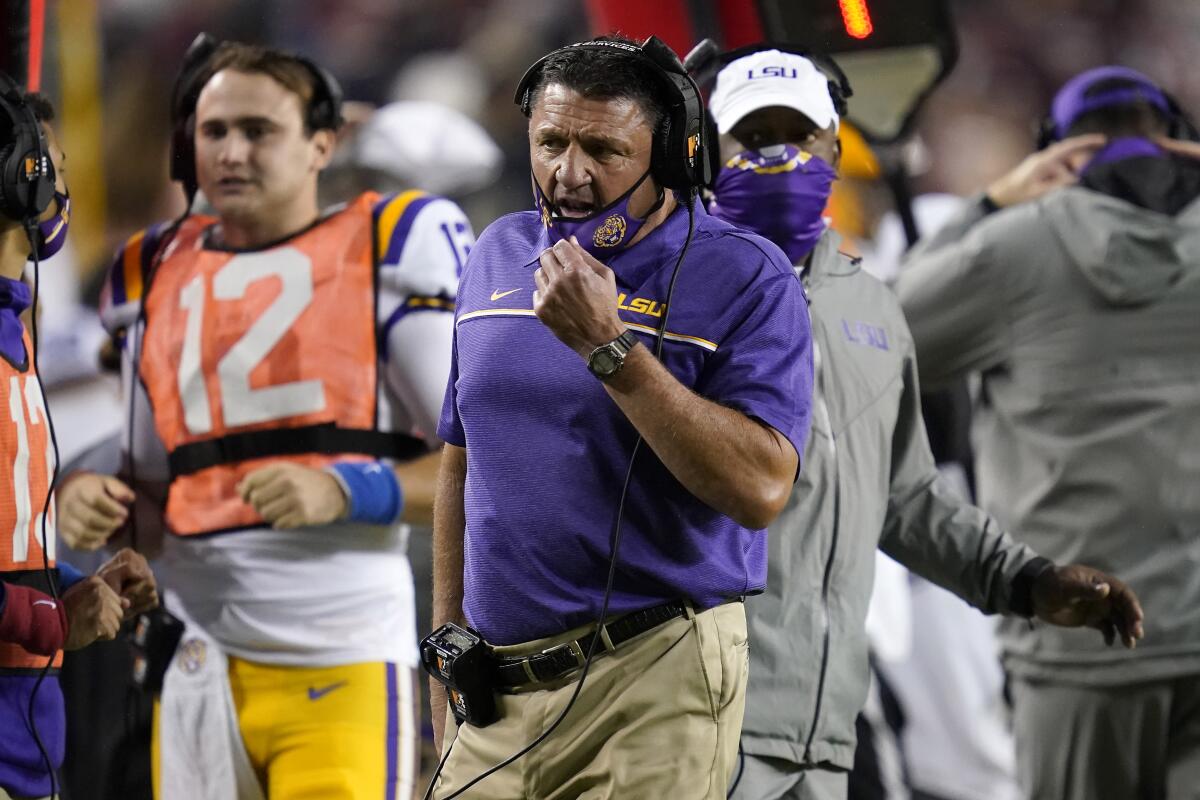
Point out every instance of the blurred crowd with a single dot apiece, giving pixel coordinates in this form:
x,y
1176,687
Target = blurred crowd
x,y
468,54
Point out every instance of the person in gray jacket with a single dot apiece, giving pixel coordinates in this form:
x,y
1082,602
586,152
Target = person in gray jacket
x,y
868,478
1073,287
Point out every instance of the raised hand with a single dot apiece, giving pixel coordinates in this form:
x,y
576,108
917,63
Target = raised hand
x,y
576,298
1041,172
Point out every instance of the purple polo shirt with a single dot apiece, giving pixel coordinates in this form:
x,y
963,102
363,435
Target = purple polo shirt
x,y
547,449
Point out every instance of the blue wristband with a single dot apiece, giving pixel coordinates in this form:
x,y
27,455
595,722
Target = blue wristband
x,y
68,576
372,491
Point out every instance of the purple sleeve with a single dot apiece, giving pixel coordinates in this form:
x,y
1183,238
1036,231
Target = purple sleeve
x,y
763,368
450,428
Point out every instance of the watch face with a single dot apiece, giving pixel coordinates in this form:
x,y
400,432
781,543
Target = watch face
x,y
604,362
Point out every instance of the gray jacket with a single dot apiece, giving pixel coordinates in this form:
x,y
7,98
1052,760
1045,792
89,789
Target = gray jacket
x,y
868,481
1082,312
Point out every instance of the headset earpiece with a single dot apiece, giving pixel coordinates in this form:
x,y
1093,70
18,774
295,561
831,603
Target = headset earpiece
x,y
679,157
184,95
26,171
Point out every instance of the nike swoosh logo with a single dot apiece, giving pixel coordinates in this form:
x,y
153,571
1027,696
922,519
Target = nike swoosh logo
x,y
317,694
497,294
45,603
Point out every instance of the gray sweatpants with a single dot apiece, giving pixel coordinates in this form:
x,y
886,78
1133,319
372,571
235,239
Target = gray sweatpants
x,y
1134,742
764,778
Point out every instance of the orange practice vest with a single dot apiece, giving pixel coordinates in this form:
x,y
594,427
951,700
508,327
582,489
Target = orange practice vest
x,y
250,358
25,471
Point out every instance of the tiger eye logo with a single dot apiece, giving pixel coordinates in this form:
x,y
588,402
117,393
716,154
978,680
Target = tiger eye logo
x,y
545,214
611,232
192,655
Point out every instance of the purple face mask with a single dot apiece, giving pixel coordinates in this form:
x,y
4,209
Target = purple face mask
x,y
601,233
779,193
1124,148
52,234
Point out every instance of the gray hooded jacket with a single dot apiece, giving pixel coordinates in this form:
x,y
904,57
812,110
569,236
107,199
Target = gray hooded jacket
x,y
1082,312
868,481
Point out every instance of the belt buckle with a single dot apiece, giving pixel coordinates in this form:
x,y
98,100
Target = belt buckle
x,y
572,647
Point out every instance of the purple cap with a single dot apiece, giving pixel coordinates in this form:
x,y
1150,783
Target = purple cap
x,y
1073,99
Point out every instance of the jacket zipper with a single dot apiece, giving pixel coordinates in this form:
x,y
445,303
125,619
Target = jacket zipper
x,y
823,409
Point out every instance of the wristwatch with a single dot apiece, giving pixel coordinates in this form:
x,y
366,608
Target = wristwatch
x,y
607,359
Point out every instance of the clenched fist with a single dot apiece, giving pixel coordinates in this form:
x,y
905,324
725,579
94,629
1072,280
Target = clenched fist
x,y
293,496
91,508
94,611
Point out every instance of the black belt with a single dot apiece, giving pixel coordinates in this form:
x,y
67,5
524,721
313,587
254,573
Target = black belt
x,y
324,438
560,660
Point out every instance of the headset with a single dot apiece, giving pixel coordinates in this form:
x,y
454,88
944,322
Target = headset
x,y
679,159
1179,124
26,172
324,110
27,181
706,60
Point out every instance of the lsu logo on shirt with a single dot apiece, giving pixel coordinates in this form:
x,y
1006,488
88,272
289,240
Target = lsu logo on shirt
x,y
865,334
641,305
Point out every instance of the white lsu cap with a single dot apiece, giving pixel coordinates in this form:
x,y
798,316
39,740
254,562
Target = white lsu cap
x,y
771,78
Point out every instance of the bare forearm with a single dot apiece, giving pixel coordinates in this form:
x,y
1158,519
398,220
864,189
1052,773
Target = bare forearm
x,y
449,529
419,480
735,464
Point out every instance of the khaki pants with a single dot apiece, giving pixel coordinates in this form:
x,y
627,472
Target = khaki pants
x,y
658,718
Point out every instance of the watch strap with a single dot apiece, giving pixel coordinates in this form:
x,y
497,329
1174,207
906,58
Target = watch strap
x,y
625,342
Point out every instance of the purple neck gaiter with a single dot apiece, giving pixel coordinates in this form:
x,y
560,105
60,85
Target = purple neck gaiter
x,y
52,233
777,192
601,233
1121,149
15,297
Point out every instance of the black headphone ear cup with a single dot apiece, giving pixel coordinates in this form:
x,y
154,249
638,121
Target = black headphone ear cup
x,y
660,154
42,190
325,108
22,197
183,154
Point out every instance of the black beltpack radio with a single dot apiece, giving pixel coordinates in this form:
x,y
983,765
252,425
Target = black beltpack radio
x,y
154,638
458,658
